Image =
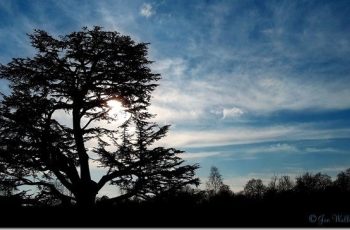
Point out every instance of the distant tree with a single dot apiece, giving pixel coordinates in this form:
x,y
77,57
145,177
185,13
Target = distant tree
x,y
343,181
312,183
186,196
285,184
254,188
225,189
272,186
78,75
215,184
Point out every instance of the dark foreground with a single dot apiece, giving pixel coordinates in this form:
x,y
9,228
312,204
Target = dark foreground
x,y
289,211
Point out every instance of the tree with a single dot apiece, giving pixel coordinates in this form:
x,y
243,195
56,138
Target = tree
x,y
254,188
78,75
343,181
271,188
285,184
309,183
215,184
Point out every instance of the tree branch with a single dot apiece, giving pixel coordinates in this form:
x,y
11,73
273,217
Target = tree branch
x,y
52,187
96,117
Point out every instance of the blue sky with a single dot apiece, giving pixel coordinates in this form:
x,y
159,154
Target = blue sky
x,y
255,88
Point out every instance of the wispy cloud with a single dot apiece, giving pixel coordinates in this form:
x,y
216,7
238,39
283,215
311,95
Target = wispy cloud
x,y
334,169
251,135
255,94
147,10
199,155
171,67
236,93
278,148
323,150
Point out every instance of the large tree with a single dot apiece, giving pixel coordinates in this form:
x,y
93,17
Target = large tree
x,y
78,75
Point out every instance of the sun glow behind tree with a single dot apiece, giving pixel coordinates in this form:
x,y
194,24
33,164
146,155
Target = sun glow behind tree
x,y
117,111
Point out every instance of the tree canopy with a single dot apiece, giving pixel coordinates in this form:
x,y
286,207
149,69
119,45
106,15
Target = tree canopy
x,y
77,75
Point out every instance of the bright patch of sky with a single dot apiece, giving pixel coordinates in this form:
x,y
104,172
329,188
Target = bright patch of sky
x,y
252,87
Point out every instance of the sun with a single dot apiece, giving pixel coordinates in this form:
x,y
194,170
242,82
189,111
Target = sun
x,y
117,111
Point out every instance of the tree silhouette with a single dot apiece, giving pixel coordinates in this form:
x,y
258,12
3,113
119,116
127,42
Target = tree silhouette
x,y
254,188
285,184
309,183
215,184
77,75
343,181
271,188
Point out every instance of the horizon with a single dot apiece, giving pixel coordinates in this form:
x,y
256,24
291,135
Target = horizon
x,y
254,88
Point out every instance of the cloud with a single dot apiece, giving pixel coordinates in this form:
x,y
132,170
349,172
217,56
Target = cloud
x,y
246,135
170,67
275,148
176,99
323,150
281,147
241,91
283,70
333,169
199,155
232,112
168,115
147,10
273,92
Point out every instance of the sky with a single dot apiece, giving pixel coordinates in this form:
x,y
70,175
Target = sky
x,y
255,88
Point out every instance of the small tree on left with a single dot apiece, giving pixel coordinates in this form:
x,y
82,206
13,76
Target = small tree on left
x,y
78,75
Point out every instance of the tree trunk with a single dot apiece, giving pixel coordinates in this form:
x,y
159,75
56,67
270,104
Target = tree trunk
x,y
86,194
79,141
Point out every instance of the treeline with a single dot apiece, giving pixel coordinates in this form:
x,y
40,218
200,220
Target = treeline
x,y
311,199
308,200
307,184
